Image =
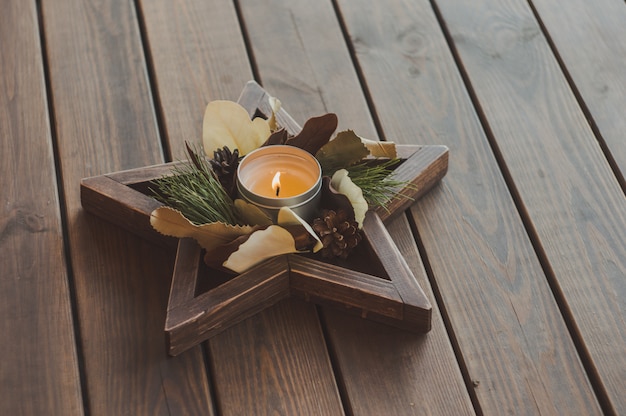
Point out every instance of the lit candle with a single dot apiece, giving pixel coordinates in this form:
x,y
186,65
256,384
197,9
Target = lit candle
x,y
272,177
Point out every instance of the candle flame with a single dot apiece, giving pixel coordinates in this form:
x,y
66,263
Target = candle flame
x,y
276,183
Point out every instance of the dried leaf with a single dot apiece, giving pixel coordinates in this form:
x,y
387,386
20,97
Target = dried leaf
x,y
275,104
288,218
215,258
333,200
277,137
171,222
262,245
251,214
344,150
315,133
344,185
227,123
380,149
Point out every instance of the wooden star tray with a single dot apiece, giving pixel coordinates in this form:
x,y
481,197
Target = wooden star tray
x,y
375,282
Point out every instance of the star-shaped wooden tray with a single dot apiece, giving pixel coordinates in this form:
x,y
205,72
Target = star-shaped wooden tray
x,y
375,282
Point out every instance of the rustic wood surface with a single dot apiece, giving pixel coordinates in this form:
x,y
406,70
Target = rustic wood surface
x,y
576,212
39,368
521,249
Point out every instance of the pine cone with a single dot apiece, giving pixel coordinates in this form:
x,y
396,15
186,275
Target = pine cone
x,y
224,164
339,234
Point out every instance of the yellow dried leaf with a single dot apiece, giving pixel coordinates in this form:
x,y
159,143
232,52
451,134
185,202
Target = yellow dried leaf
x,y
251,214
275,104
380,149
262,244
227,123
171,222
344,185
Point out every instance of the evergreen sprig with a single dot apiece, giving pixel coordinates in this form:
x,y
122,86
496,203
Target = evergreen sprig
x,y
194,190
377,182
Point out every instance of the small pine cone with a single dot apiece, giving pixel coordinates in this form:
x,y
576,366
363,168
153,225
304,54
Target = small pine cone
x,y
224,161
338,234
224,164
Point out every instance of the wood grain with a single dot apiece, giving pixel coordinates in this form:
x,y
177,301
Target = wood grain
x,y
310,78
568,191
589,41
105,122
201,57
278,371
39,370
123,206
214,311
303,59
390,371
508,329
198,53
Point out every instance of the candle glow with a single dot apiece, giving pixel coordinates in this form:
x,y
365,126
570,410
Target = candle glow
x,y
276,183
278,176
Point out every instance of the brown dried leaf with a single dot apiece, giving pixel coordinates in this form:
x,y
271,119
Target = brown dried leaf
x,y
277,137
344,150
315,133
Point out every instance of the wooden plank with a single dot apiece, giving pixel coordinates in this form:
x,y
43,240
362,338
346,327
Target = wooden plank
x,y
514,345
284,365
569,193
39,367
200,57
302,59
307,67
589,38
391,371
105,122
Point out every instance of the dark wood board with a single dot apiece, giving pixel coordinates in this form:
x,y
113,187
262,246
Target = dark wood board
x,y
39,357
105,121
567,190
198,54
589,38
314,79
263,371
481,258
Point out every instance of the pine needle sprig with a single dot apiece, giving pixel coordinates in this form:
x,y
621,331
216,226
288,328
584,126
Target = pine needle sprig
x,y
193,189
377,182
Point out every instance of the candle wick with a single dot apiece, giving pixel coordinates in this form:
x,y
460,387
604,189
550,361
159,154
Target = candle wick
x,y
277,190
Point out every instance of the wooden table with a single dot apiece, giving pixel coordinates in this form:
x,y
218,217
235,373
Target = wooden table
x,y
521,248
